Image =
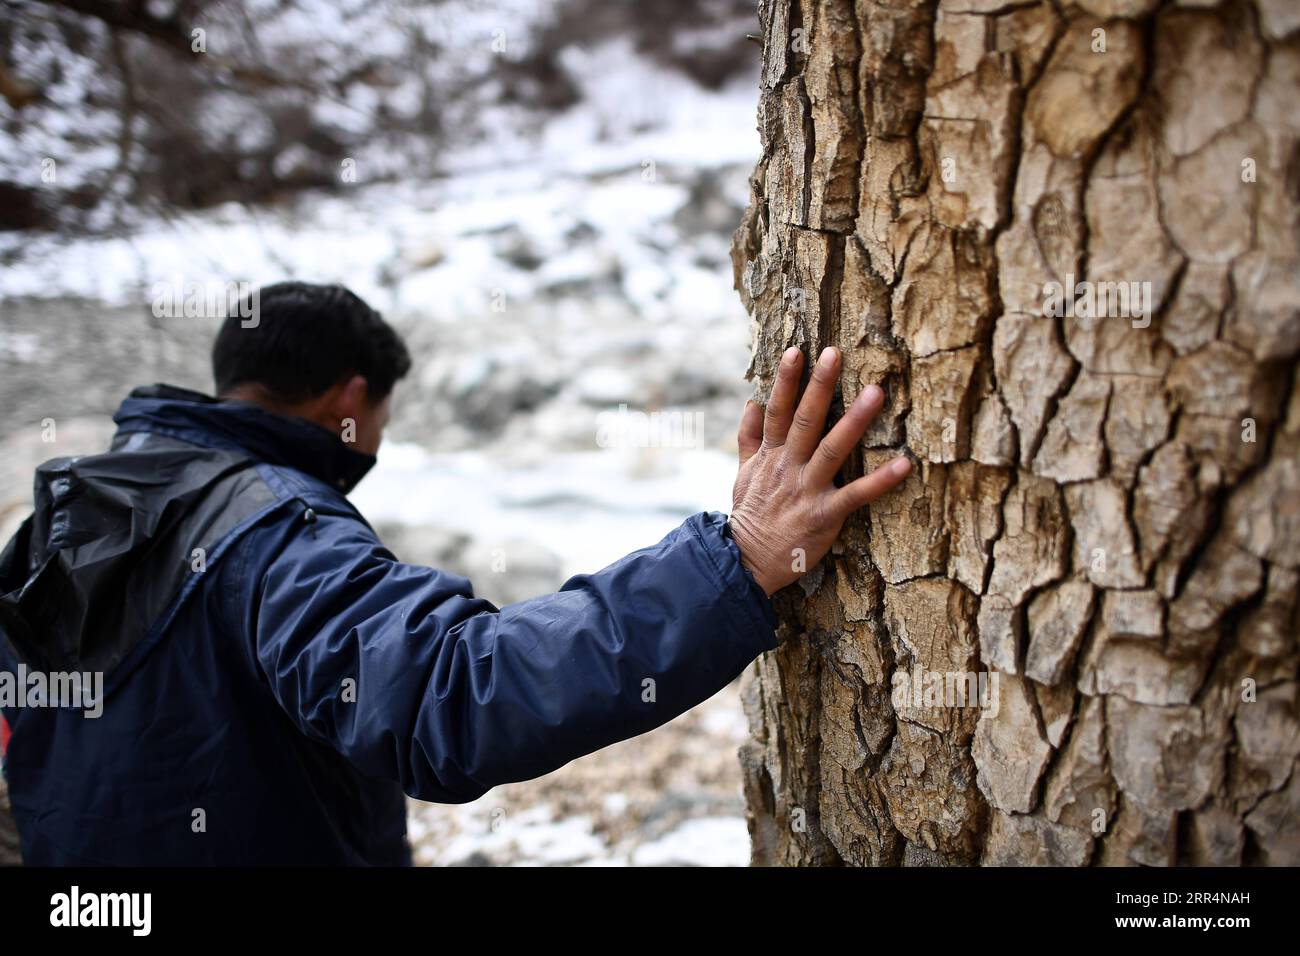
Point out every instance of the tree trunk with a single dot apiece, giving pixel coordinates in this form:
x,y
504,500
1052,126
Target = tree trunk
x,y
1103,528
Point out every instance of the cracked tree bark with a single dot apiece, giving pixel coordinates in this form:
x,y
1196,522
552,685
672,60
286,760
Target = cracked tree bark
x,y
1106,509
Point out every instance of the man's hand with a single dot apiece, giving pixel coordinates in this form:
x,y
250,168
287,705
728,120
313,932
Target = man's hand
x,y
784,498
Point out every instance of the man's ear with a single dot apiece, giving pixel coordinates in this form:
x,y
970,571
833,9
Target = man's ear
x,y
350,404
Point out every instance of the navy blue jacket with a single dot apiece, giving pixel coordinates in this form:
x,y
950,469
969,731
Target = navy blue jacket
x,y
275,680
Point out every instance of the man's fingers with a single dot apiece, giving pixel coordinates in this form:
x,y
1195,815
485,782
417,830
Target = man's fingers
x,y
869,487
750,436
780,407
810,417
844,437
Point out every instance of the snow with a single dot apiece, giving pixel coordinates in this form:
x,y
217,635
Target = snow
x,y
537,836
703,841
589,508
609,163
532,835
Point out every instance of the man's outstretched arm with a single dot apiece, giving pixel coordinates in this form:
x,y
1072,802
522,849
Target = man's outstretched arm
x,y
410,677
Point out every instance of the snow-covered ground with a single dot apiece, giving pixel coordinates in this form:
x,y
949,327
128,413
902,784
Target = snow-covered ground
x,y
561,271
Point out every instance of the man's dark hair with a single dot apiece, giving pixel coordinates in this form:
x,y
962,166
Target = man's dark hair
x,y
305,339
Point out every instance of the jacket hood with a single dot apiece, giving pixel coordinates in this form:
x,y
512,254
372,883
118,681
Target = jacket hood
x,y
246,428
111,538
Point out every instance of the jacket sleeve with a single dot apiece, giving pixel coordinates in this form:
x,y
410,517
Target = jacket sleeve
x,y
411,678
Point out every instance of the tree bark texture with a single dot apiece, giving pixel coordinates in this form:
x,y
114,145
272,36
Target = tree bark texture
x,y
1105,508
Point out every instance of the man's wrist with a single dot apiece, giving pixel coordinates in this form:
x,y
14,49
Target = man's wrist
x,y
729,530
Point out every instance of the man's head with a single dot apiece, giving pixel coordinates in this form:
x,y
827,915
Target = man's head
x,y
317,352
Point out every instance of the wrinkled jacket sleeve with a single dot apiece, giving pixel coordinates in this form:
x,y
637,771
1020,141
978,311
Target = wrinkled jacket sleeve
x,y
452,696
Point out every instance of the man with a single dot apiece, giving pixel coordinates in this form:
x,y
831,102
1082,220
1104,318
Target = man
x,y
273,680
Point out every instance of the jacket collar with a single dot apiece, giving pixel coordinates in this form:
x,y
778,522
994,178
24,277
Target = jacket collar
x,y
243,427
